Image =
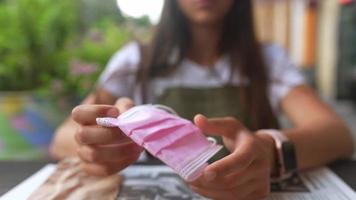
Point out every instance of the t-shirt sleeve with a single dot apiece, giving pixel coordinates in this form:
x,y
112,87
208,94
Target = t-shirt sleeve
x,y
119,76
284,74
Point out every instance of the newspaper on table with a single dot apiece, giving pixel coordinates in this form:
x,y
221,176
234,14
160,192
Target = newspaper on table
x,y
160,182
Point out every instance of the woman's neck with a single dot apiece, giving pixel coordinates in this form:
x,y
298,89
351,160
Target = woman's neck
x,y
204,48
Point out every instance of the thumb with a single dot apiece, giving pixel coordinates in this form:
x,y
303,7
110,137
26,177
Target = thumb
x,y
123,104
225,126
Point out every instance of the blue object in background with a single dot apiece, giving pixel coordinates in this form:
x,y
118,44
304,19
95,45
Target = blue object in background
x,y
27,124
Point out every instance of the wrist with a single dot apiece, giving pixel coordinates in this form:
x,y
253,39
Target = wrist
x,y
285,154
271,151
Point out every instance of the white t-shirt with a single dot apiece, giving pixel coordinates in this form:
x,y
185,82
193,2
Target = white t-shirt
x,y
119,76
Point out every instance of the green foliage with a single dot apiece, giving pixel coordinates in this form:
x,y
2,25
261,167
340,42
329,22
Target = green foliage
x,y
33,42
43,41
143,21
95,49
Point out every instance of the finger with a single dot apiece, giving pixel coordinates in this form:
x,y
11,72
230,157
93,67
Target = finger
x,y
87,114
256,195
219,183
105,169
232,180
112,153
236,193
123,104
261,191
99,135
227,126
211,194
239,160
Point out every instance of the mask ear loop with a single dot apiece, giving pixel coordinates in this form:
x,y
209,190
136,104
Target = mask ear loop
x,y
165,108
194,168
212,140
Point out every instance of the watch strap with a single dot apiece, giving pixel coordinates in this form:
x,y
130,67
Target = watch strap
x,y
285,153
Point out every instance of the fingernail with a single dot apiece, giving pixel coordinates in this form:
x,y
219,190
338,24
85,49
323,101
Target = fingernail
x,y
201,115
112,112
209,175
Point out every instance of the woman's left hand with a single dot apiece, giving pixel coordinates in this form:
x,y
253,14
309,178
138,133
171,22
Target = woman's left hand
x,y
245,173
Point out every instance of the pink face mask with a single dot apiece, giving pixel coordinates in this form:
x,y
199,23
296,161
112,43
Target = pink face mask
x,y
175,141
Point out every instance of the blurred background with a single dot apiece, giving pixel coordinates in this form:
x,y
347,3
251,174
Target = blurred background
x,y
51,53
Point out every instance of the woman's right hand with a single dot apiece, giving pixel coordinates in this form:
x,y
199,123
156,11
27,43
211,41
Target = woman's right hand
x,y
104,151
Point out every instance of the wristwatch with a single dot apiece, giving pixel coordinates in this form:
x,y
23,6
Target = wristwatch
x,y
286,155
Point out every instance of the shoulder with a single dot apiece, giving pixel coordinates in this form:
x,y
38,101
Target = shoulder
x,y
279,63
124,62
120,72
283,73
128,55
275,56
271,49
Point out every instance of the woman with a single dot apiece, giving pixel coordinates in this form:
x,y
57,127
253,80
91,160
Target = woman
x,y
205,59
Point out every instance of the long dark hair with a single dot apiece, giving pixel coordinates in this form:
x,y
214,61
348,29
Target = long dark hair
x,y
171,42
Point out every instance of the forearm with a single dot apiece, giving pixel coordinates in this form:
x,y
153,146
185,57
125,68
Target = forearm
x,y
320,135
320,143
